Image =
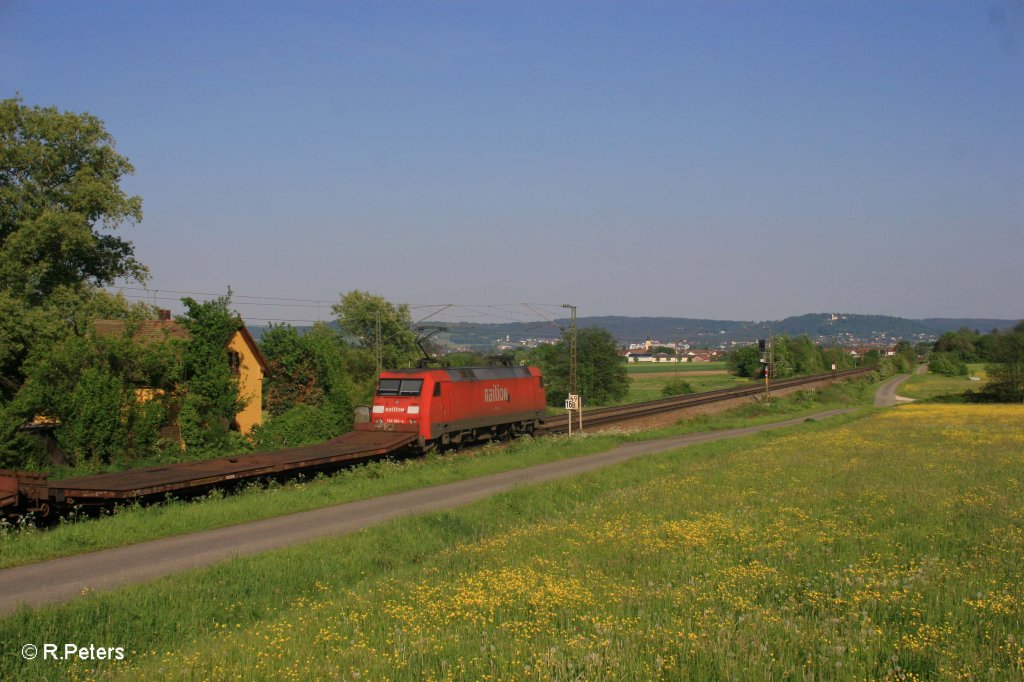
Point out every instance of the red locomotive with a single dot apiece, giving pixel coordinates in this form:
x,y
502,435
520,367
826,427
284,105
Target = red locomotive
x,y
463,405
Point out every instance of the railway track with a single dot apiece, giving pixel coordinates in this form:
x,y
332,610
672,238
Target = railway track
x,y
610,415
26,492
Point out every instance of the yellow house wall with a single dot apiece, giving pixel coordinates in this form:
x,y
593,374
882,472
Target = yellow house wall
x,y
250,385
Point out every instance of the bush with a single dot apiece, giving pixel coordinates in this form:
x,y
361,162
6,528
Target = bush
x,y
678,387
947,364
300,425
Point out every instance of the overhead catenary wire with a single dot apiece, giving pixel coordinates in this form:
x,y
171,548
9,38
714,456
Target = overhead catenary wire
x,y
468,316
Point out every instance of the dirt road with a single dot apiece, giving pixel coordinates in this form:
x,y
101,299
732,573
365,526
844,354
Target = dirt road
x,y
886,396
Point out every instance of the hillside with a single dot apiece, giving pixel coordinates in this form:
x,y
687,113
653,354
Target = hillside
x,y
700,332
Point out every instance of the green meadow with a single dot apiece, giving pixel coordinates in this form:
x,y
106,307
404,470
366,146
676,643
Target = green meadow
x,y
928,386
659,367
878,547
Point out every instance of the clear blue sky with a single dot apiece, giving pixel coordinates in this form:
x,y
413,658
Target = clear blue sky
x,y
737,160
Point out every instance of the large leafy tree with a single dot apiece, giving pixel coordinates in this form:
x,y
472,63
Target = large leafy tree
x,y
1006,372
308,369
377,325
60,201
600,371
60,197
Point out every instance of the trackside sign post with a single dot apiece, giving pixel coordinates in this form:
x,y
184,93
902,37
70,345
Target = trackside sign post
x,y
573,402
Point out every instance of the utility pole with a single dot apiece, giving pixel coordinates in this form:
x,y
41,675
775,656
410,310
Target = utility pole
x,y
572,348
835,359
572,367
764,346
378,350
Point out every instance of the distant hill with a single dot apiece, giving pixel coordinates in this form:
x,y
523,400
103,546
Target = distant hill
x,y
848,329
982,325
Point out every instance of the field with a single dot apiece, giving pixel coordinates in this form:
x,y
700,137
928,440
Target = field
x,y
879,548
926,386
648,386
659,367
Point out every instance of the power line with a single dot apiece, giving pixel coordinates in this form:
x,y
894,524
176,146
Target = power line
x,y
465,314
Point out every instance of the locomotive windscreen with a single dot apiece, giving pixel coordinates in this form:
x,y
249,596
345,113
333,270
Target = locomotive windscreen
x,y
399,387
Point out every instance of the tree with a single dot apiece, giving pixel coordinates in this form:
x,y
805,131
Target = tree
x,y
292,378
872,357
312,370
211,399
744,361
44,350
1006,372
466,358
378,325
962,343
807,358
60,195
947,364
84,385
601,373
309,391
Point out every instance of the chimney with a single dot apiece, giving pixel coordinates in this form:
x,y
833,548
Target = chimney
x,y
163,314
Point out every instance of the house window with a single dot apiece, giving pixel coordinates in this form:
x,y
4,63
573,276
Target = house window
x,y
234,361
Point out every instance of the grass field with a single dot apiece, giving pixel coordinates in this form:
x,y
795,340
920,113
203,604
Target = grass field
x,y
658,367
881,548
644,387
927,386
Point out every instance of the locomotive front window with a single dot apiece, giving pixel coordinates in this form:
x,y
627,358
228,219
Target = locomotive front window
x,y
388,386
411,387
399,387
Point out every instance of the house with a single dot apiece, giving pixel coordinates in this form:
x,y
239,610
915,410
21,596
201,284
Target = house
x,y
242,355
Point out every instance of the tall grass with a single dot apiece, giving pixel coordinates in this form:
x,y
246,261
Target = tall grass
x,y
886,548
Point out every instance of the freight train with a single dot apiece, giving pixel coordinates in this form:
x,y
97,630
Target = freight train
x,y
418,410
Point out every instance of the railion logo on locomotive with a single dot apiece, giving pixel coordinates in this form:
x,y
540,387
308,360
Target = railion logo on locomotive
x,y
495,394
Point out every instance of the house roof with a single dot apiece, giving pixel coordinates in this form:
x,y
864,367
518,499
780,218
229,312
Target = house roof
x,y
158,331
254,347
147,331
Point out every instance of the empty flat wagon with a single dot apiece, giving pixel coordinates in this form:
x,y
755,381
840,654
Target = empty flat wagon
x,y
23,492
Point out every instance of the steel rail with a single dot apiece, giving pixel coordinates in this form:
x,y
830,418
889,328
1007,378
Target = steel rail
x,y
608,415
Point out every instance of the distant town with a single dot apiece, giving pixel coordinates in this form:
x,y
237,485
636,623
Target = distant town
x,y
661,339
